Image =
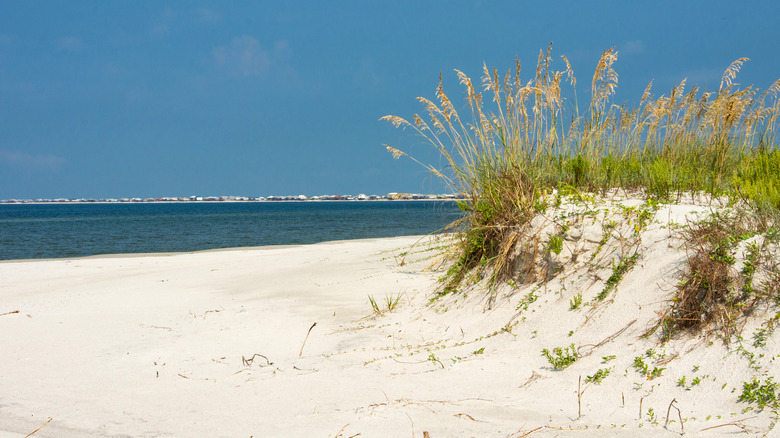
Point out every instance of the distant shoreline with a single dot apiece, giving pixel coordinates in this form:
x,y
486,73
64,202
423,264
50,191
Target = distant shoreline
x,y
271,199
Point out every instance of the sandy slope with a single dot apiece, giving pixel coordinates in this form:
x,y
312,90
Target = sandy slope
x,y
156,345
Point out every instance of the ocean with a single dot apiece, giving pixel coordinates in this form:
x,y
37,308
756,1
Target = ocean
x,y
34,231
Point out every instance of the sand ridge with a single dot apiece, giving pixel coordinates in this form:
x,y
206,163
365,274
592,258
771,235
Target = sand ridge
x,y
212,344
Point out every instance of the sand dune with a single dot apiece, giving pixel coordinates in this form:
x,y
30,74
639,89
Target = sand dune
x,y
212,344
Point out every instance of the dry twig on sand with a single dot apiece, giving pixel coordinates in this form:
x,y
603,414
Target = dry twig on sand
x,y
580,391
36,430
462,415
641,400
607,339
304,339
533,378
526,433
739,423
211,311
338,434
679,415
248,362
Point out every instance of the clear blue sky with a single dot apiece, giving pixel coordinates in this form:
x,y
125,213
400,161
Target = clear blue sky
x,y
176,98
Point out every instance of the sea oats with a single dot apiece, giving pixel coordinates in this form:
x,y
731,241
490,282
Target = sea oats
x,y
448,110
775,88
731,72
396,153
419,122
487,80
529,138
569,72
395,120
539,63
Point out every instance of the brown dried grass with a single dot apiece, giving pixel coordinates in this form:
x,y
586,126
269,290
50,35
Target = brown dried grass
x,y
711,297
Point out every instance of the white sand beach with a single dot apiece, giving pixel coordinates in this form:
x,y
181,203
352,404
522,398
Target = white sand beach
x,y
212,344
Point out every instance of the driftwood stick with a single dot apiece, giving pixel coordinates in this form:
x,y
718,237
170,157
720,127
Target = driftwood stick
x,y
304,339
9,313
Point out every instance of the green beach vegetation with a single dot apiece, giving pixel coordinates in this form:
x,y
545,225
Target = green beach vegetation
x,y
524,142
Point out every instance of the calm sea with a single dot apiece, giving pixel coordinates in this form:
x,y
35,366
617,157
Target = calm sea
x,y
30,231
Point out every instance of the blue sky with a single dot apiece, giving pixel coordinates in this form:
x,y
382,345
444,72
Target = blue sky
x,y
128,98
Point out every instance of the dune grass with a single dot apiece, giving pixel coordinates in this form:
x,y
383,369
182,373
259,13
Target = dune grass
x,y
506,156
715,292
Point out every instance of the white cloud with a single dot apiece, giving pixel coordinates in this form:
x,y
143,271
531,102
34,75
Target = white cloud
x,y
206,15
632,47
367,73
30,162
70,43
244,56
162,24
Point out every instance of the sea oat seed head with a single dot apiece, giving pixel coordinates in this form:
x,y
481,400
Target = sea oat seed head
x,y
396,153
731,72
569,72
395,120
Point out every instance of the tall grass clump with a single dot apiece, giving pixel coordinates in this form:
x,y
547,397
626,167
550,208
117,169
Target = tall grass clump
x,y
717,289
519,139
758,179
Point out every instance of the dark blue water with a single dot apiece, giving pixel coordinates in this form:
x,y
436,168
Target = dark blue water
x,y
74,230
